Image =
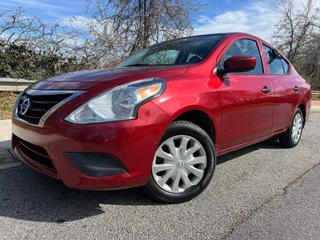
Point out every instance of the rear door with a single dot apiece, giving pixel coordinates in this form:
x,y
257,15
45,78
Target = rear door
x,y
246,97
285,87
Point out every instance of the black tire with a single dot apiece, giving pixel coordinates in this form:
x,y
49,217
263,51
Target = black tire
x,y
286,139
193,130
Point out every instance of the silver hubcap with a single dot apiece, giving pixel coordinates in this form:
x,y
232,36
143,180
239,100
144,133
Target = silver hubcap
x,y
297,128
179,163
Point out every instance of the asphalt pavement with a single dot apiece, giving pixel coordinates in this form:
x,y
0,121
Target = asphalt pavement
x,y
260,192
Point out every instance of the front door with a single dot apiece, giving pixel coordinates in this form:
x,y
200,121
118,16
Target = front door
x,y
247,98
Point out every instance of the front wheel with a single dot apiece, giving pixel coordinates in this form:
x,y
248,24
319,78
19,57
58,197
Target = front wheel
x,y
183,164
292,136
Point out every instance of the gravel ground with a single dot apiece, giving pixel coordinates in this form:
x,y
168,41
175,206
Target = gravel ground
x,y
262,191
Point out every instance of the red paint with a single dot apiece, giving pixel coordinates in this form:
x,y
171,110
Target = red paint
x,y
240,112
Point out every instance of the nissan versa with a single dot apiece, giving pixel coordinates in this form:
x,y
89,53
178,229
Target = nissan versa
x,y
161,117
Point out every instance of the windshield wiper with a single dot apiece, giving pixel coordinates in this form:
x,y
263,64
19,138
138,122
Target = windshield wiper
x,y
137,65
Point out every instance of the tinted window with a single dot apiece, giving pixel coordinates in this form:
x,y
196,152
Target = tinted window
x,y
245,47
277,65
176,52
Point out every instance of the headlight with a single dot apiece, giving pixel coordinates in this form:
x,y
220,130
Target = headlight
x,y
120,103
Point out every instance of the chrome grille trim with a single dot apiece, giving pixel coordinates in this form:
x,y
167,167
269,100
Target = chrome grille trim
x,y
36,92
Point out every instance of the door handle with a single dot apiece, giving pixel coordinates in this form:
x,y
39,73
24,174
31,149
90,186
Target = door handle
x,y
296,88
266,89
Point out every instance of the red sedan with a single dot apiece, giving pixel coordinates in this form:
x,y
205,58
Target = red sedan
x,y
162,116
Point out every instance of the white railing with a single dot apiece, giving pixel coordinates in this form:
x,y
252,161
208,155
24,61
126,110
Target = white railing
x,y
316,94
14,85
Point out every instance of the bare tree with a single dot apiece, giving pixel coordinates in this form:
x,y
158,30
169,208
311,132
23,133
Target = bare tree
x,y
112,30
16,26
122,27
298,36
294,30
19,28
32,48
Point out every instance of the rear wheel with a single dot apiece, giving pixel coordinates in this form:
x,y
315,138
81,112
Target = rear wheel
x,y
292,136
183,164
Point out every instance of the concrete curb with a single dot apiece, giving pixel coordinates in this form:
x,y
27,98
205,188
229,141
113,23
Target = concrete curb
x,y
7,159
7,156
5,133
315,109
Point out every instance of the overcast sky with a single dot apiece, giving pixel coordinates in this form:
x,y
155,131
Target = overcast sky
x,y
257,17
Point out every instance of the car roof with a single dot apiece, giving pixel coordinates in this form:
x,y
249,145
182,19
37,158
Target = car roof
x,y
226,34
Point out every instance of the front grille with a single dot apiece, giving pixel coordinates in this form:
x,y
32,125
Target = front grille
x,y
39,103
34,152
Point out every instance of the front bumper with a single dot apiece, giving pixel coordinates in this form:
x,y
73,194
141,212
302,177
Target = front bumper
x,y
132,144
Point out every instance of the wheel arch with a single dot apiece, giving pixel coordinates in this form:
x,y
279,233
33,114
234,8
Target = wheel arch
x,y
200,118
302,107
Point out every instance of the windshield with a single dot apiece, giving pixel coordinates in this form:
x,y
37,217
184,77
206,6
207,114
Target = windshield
x,y
188,50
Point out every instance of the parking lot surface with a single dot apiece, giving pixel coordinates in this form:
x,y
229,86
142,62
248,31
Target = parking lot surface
x,y
260,192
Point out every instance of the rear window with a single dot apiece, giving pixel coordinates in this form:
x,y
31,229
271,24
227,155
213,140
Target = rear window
x,y
277,64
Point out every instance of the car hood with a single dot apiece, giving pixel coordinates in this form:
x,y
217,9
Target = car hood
x,y
83,80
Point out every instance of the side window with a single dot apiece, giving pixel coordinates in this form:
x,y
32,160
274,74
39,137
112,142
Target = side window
x,y
245,47
285,66
276,65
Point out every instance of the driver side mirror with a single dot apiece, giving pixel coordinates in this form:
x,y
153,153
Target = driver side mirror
x,y
239,64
